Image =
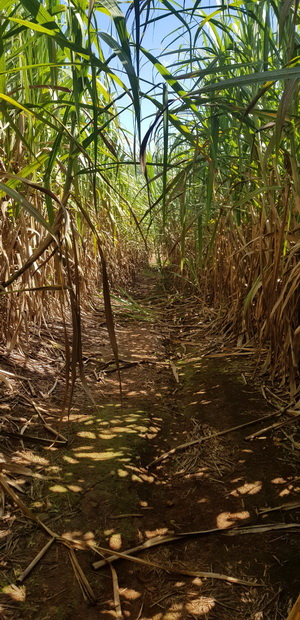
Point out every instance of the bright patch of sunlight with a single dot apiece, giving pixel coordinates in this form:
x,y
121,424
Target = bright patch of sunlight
x,y
190,360
284,493
124,429
86,434
200,606
26,456
174,613
58,488
147,478
74,535
226,519
135,478
160,531
171,615
279,481
115,542
70,460
54,469
99,456
17,593
133,417
198,474
196,582
179,584
38,504
106,435
249,488
108,532
129,594
89,538
74,488
122,473
138,356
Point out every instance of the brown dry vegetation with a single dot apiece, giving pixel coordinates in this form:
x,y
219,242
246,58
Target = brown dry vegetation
x,y
181,384
207,188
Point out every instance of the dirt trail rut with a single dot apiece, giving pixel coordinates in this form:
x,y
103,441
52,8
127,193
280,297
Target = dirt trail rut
x,y
103,492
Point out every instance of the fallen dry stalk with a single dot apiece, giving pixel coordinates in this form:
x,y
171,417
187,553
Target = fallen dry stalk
x,y
286,506
187,444
249,529
257,529
26,511
118,608
271,427
126,516
15,468
295,611
35,439
179,571
85,587
174,371
153,542
35,561
47,426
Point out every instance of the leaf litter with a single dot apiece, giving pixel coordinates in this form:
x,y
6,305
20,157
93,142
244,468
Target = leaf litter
x,y
204,450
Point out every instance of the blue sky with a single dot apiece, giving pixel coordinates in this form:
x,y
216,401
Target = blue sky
x,y
157,38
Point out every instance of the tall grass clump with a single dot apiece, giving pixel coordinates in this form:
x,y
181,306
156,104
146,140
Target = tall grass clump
x,y
64,180
228,218
218,187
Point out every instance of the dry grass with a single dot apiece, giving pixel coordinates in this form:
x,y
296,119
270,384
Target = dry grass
x,y
209,460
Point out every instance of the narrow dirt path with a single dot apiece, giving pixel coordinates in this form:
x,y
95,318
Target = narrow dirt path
x,y
103,492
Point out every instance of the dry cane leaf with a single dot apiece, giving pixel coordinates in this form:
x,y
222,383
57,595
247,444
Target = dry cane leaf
x,y
85,587
269,428
24,471
174,371
153,542
286,506
180,571
257,529
26,511
44,440
35,561
118,608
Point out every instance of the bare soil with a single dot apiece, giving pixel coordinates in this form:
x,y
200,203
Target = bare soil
x,y
102,491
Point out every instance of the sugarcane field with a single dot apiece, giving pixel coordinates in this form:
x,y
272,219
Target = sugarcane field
x,y
149,310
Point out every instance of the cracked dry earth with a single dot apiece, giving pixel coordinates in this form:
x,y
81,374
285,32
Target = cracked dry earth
x,y
101,491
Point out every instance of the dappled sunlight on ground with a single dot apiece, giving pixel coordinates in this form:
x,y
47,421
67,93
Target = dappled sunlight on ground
x,y
98,491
